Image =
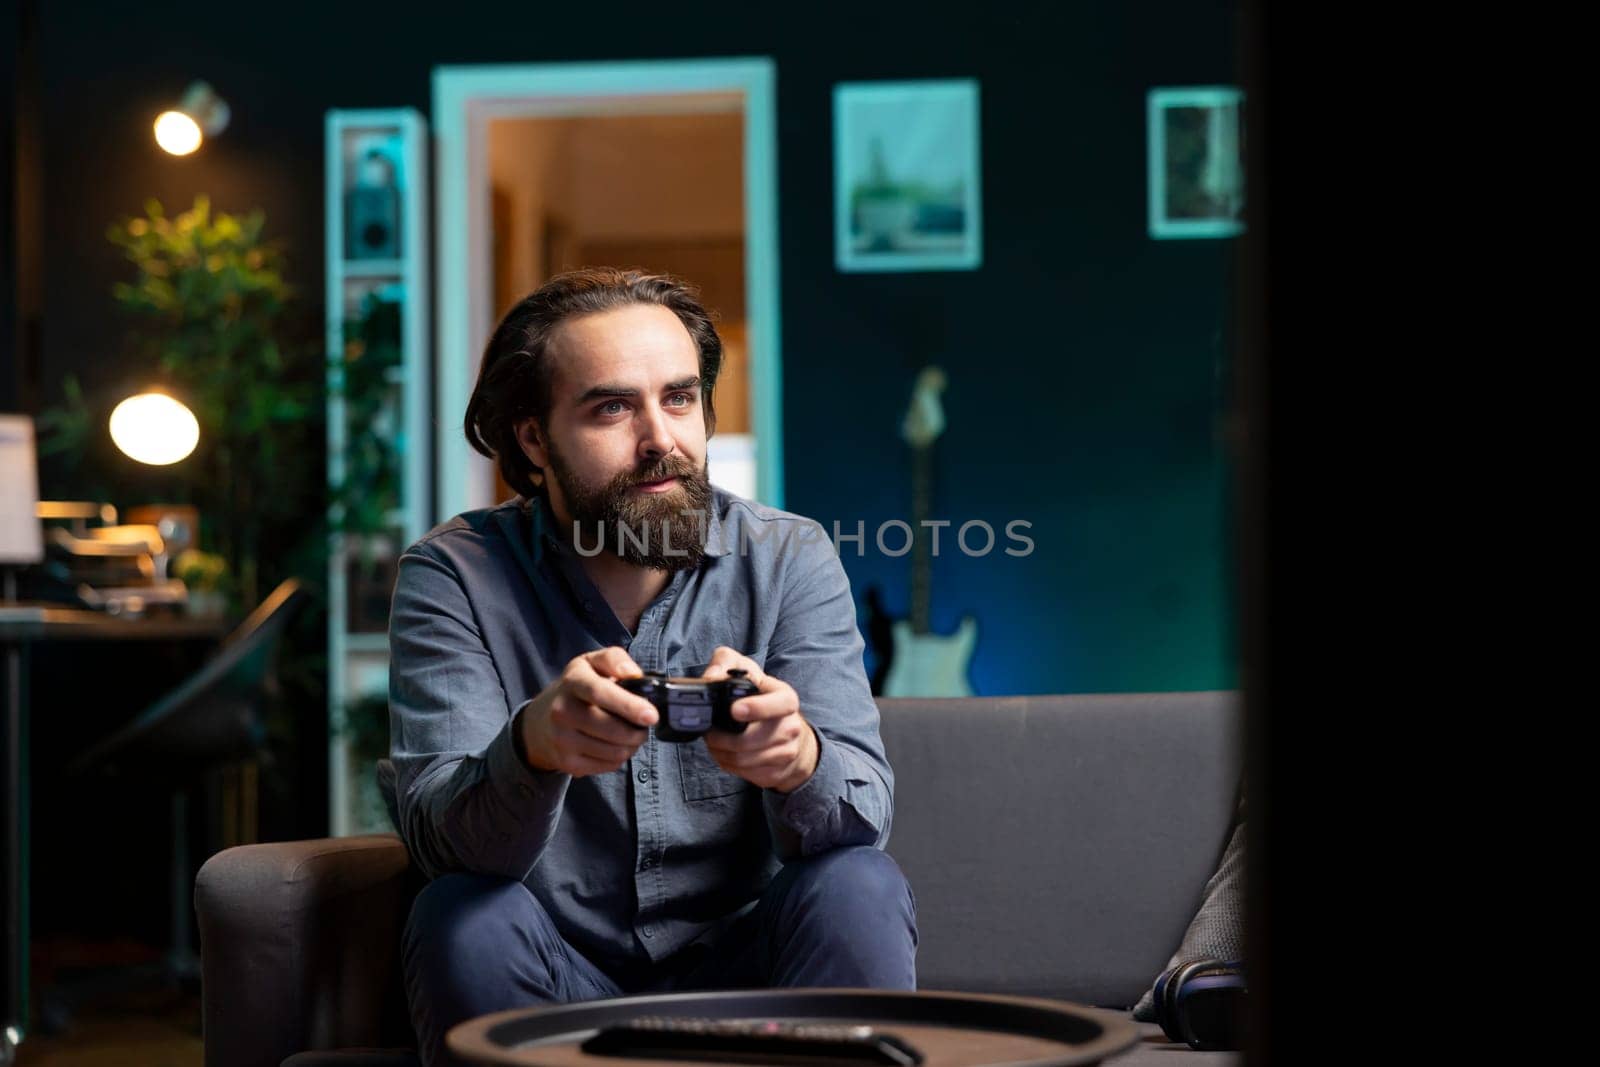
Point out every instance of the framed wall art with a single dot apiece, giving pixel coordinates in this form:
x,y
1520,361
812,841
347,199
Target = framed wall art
x,y
906,176
1196,139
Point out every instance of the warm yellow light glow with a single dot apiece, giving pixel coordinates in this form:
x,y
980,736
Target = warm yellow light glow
x,y
154,428
177,133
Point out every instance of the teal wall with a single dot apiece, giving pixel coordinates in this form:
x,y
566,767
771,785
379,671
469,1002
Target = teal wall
x,y
1087,362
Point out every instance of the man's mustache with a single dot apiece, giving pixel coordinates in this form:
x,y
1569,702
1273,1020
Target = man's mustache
x,y
663,469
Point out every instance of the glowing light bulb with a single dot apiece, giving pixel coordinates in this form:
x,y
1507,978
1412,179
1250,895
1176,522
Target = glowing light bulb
x,y
177,133
154,428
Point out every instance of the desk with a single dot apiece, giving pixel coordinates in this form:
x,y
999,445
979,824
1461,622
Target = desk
x,y
22,625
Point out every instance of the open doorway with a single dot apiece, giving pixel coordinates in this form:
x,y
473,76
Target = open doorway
x,y
661,166
659,192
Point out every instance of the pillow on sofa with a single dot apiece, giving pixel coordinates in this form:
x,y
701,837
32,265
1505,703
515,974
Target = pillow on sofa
x,y
1217,929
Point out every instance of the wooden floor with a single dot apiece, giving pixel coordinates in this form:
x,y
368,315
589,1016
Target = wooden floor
x,y
149,1024
111,1041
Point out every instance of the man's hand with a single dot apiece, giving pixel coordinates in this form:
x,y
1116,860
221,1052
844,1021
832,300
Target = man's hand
x,y
584,722
778,750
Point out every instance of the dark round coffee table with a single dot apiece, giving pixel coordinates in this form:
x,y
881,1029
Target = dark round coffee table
x,y
949,1029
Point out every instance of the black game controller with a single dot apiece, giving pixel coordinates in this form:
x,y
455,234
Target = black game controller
x,y
688,707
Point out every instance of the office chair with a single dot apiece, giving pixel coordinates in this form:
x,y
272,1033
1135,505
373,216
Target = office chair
x,y
217,716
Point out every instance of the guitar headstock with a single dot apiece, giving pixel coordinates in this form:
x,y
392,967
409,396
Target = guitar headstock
x,y
924,417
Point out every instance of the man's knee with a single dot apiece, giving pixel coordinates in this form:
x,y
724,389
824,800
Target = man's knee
x,y
845,918
847,879
459,916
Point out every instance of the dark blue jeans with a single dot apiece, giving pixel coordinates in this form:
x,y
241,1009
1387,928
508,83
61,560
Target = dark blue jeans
x,y
477,944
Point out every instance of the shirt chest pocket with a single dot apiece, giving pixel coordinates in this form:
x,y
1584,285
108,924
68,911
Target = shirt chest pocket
x,y
702,778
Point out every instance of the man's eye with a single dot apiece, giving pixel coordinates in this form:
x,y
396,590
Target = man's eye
x,y
681,399
610,407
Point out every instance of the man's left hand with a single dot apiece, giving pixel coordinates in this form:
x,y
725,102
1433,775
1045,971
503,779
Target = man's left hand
x,y
778,750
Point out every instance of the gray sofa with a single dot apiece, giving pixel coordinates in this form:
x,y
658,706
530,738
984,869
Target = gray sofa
x,y
1058,846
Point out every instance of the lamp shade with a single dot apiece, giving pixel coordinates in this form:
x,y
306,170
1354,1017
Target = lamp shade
x,y
177,133
200,114
154,428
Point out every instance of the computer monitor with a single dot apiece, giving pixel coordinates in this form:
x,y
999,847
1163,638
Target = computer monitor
x,y
21,539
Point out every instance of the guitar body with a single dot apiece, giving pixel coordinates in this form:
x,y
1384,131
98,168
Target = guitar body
x,y
921,663
931,665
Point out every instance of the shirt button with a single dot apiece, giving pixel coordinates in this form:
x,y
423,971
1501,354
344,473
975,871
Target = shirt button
x,y
648,931
647,864
644,776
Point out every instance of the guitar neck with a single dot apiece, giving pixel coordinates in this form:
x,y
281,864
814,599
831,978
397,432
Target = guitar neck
x,y
921,553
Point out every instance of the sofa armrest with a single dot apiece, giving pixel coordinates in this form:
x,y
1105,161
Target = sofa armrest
x,y
300,947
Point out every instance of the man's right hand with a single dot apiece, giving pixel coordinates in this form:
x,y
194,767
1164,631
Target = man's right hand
x,y
584,722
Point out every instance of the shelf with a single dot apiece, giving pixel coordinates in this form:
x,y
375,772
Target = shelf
x,y
367,642
373,268
378,542
362,566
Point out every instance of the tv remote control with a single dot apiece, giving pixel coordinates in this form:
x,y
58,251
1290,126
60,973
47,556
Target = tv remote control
x,y
751,1041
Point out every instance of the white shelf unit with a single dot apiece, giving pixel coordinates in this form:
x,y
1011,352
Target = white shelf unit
x,y
392,281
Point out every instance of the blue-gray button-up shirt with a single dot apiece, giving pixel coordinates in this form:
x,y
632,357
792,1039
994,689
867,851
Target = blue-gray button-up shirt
x,y
636,864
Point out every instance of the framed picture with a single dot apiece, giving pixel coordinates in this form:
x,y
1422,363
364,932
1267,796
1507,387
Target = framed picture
x,y
1196,162
906,176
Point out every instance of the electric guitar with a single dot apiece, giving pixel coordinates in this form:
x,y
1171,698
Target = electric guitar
x,y
923,663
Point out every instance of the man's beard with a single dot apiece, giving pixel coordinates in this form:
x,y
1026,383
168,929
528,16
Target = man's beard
x,y
662,531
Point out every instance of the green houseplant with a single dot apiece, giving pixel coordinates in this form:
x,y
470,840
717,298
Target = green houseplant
x,y
208,305
204,575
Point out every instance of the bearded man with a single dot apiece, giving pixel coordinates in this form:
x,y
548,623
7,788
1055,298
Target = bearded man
x,y
571,854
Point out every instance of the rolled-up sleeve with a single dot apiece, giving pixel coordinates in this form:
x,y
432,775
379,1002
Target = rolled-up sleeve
x,y
817,649
467,801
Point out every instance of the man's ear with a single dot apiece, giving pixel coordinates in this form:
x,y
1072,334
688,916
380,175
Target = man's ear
x,y
530,436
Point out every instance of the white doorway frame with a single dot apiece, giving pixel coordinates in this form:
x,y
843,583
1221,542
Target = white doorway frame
x,y
465,99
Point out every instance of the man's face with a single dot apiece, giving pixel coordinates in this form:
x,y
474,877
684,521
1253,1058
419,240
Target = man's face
x,y
626,440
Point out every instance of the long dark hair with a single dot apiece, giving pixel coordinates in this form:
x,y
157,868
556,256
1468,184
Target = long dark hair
x,y
514,379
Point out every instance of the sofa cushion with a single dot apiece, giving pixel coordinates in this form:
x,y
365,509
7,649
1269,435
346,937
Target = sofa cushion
x,y
1059,845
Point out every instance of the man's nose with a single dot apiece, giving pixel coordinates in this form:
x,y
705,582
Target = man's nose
x,y
654,439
